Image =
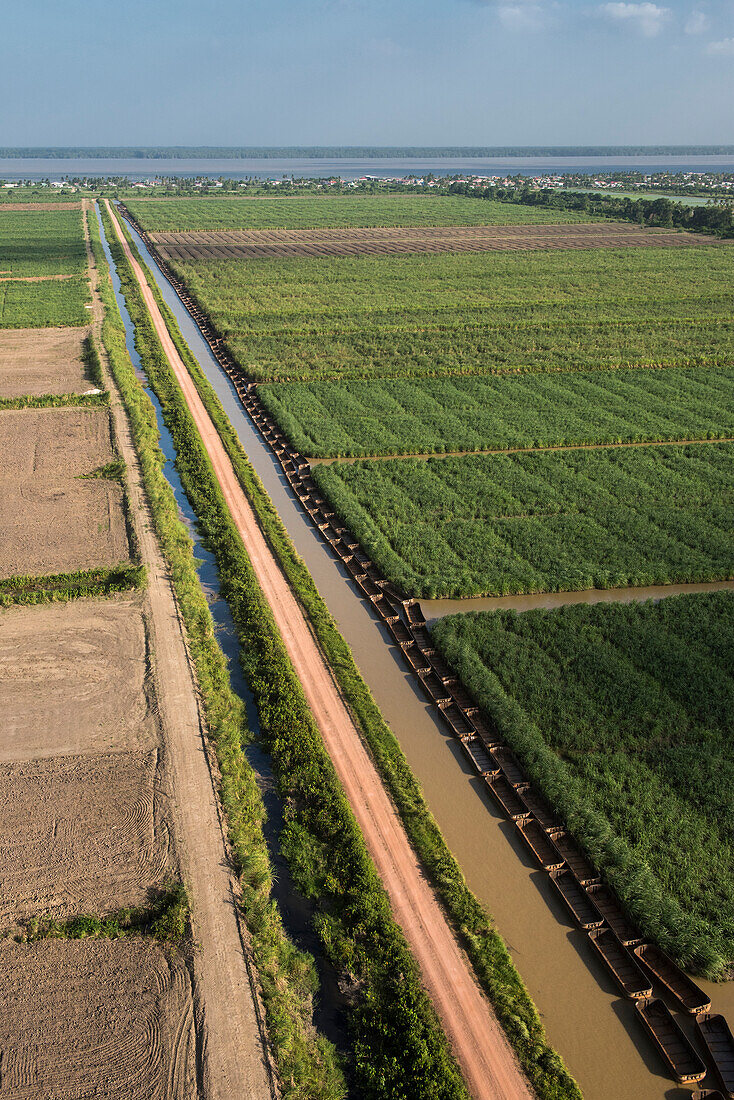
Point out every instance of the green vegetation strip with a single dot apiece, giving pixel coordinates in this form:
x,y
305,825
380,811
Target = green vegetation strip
x,y
55,401
166,918
484,946
538,522
61,587
623,716
416,316
42,242
44,305
341,211
307,1063
353,418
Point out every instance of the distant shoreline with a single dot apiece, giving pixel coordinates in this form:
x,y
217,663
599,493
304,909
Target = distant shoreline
x,y
338,152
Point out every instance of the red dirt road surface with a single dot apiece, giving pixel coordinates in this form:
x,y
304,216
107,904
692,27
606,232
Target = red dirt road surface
x,y
481,1048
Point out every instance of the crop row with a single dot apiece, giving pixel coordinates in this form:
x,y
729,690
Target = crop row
x,y
473,314
395,416
315,212
41,242
622,715
535,522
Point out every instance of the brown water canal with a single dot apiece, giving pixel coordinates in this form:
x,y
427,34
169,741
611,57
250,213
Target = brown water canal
x,y
595,1030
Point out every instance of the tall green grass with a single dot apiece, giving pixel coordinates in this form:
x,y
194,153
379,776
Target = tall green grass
x,y
622,715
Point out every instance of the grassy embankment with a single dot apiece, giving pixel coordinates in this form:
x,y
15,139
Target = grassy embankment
x,y
621,714
306,1061
538,522
485,947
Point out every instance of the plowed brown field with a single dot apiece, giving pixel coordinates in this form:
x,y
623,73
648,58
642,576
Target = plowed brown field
x,y
37,444
74,678
273,243
110,1020
61,527
80,834
36,361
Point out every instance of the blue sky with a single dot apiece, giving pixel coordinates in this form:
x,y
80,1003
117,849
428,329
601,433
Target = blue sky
x,y
383,72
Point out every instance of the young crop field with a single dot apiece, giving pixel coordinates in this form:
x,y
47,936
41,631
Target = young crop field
x,y
335,211
44,304
623,715
413,316
41,242
536,522
396,416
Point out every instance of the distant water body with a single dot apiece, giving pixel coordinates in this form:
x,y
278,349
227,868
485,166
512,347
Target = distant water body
x,y
142,169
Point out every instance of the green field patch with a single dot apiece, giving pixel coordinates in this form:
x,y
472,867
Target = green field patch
x,y
41,242
538,522
396,416
336,211
622,714
413,316
44,304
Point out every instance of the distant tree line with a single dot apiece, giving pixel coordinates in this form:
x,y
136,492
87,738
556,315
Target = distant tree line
x,y
716,217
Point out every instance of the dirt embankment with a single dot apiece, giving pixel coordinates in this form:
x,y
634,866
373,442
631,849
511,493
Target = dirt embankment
x,y
479,1043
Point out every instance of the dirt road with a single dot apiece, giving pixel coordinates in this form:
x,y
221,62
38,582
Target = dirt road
x,y
482,1050
229,1026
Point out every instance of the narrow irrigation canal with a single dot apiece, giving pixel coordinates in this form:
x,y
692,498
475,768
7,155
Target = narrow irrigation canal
x,y
296,910
596,1032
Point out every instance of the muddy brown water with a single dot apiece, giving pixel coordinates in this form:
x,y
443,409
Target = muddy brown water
x,y
595,1031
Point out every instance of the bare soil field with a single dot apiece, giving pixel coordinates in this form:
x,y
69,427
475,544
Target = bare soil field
x,y
273,243
38,361
110,1020
61,527
80,834
40,444
75,678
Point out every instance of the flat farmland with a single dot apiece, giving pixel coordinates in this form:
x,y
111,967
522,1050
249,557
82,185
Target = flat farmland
x,y
500,412
622,714
75,678
277,244
61,527
537,522
44,304
336,211
95,1019
418,316
38,444
81,834
40,361
37,242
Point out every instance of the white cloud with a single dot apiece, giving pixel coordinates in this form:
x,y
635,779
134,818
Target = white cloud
x,y
647,18
521,16
697,22
724,48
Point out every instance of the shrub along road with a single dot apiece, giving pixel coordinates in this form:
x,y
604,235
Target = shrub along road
x,y
479,1044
